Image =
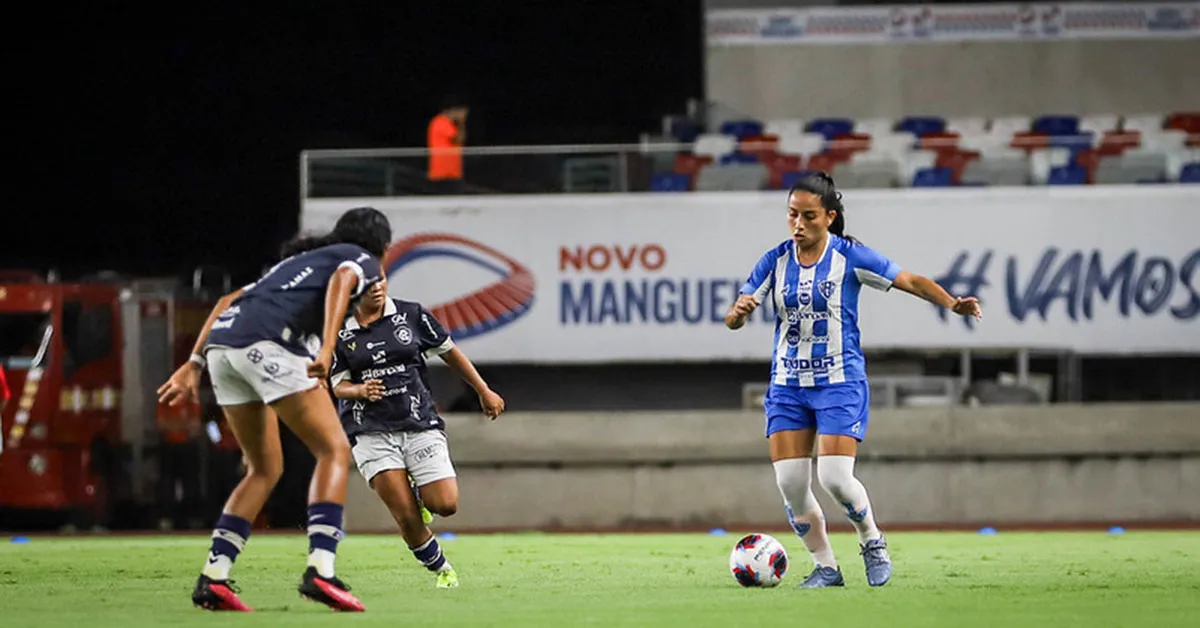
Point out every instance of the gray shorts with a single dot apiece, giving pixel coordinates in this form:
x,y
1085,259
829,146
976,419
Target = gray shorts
x,y
264,372
426,455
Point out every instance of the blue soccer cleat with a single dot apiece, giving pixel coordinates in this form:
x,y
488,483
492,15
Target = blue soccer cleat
x,y
823,577
877,561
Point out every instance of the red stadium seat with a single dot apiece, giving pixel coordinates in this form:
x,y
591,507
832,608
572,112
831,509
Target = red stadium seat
x,y
779,164
763,146
1029,141
1184,121
846,144
689,164
940,142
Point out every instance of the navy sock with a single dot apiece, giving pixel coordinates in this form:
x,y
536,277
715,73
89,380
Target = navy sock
x,y
228,540
430,554
324,533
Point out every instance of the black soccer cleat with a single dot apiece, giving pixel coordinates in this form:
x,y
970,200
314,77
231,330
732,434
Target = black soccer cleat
x,y
331,592
217,595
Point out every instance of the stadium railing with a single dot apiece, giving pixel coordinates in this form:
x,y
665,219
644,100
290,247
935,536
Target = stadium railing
x,y
685,166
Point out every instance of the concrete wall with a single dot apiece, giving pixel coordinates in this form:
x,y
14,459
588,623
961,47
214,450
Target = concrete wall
x,y
956,79
948,466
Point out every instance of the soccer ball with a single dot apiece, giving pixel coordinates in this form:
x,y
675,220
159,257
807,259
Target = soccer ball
x,y
758,560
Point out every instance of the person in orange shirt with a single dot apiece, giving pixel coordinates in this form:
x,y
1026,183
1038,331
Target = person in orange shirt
x,y
446,135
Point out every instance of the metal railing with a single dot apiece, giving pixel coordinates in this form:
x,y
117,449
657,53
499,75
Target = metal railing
x,y
591,168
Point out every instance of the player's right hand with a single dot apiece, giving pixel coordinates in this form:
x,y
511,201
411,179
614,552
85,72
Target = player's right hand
x,y
492,403
745,305
372,390
182,386
319,368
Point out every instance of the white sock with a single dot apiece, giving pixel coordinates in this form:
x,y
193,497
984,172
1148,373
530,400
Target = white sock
x,y
794,478
323,561
217,566
836,474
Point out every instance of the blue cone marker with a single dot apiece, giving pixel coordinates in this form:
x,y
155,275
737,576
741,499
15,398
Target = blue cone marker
x,y
717,532
989,530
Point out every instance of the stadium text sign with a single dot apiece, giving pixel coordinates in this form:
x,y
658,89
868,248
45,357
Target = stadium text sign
x,y
645,277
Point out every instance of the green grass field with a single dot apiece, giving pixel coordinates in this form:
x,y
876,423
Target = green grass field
x,y
942,579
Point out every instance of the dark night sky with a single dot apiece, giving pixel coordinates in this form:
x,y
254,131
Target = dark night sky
x,y
179,137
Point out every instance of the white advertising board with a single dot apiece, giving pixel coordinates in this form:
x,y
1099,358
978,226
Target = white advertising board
x,y
649,277
952,23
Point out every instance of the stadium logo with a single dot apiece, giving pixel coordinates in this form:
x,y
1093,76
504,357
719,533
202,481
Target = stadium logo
x,y
479,312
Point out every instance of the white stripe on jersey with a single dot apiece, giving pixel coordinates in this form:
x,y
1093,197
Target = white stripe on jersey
x,y
833,347
805,284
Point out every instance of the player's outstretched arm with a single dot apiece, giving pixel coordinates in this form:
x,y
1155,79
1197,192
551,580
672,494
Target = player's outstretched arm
x,y
337,301
185,381
929,290
493,404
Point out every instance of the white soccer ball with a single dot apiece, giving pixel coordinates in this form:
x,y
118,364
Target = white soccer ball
x,y
758,560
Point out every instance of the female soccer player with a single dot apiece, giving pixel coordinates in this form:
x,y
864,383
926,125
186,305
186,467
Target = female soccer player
x,y
257,344
818,375
389,414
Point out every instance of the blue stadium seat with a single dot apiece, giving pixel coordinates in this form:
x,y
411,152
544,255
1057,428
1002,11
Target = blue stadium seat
x,y
790,177
933,178
920,125
738,157
742,128
1056,125
684,130
1077,143
830,127
670,182
1190,173
1072,174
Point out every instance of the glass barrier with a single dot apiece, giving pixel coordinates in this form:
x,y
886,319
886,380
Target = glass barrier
x,y
941,160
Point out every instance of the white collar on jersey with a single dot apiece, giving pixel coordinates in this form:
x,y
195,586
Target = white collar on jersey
x,y
796,251
389,309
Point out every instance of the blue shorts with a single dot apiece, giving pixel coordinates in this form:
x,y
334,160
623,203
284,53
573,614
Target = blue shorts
x,y
840,409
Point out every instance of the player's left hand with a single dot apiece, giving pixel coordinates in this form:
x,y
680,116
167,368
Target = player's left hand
x,y
182,385
320,367
493,404
967,306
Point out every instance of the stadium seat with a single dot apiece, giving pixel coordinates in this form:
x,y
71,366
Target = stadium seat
x,y
761,146
738,157
874,126
733,177
1179,159
741,129
1163,141
895,143
801,144
939,141
846,144
689,164
684,130
1029,141
1056,125
1005,127
915,161
1188,122
714,145
921,125
670,182
1143,122
1070,174
956,161
830,127
1099,124
967,126
1190,173
1115,142
999,168
777,165
790,178
868,169
784,126
1043,160
1132,166
933,178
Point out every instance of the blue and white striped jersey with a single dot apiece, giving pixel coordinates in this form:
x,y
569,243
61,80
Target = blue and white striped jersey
x,y
816,325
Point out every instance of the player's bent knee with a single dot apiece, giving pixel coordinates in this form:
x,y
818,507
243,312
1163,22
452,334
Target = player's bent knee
x,y
268,472
835,475
443,509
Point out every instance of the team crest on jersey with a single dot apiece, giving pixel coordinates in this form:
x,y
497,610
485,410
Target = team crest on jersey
x,y
827,288
403,335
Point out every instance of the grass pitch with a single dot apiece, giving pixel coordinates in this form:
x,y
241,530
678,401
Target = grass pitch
x,y
941,579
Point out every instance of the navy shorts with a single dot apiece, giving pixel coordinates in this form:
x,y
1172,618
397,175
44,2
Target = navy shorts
x,y
840,409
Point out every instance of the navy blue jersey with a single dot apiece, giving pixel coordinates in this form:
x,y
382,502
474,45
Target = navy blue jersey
x,y
287,304
393,350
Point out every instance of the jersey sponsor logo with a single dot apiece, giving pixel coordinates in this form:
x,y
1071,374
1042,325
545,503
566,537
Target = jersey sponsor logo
x,y
480,311
383,372
379,357
805,364
371,345
345,334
